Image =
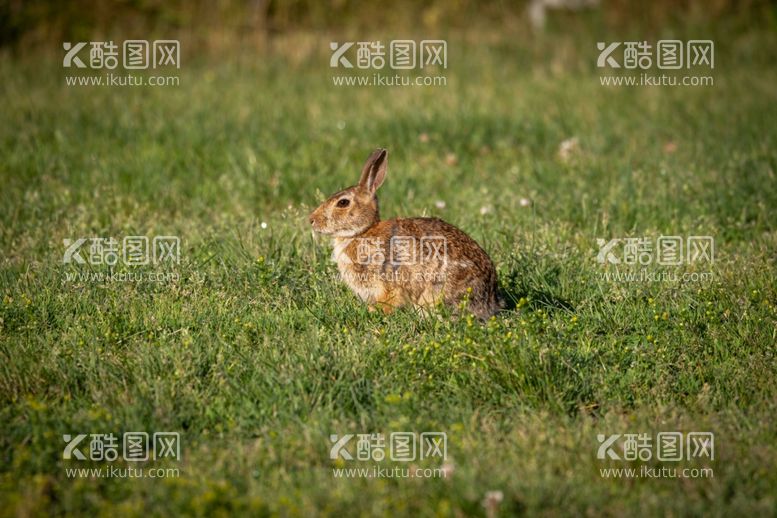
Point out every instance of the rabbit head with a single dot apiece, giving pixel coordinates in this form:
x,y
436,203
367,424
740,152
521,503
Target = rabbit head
x,y
350,212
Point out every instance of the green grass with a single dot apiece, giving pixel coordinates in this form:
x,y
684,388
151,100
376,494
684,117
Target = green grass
x,y
257,353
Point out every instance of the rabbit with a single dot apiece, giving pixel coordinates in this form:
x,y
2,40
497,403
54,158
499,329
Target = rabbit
x,y
403,261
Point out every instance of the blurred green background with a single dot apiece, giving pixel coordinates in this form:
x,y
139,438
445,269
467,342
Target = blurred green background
x,y
201,25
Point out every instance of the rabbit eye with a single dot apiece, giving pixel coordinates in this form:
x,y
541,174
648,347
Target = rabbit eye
x,y
343,203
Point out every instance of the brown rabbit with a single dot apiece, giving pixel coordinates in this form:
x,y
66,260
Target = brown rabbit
x,y
392,263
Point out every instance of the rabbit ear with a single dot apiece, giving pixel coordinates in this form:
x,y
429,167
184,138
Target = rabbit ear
x,y
374,170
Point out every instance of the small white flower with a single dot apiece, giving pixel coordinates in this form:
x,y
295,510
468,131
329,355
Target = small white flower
x,y
567,148
439,204
263,225
524,202
491,502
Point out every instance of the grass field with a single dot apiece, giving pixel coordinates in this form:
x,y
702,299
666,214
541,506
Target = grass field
x,y
256,353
